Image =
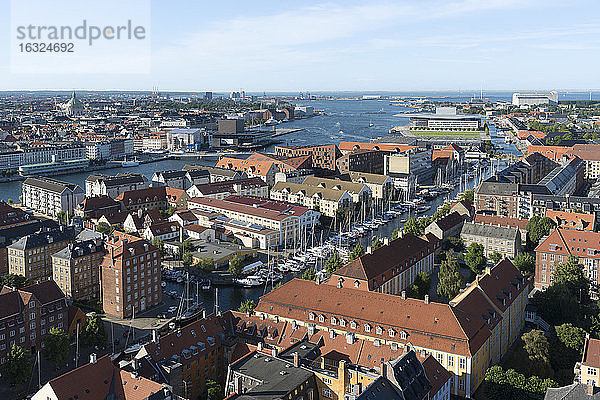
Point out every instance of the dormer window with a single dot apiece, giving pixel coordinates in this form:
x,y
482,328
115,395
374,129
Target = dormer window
x,y
353,324
333,320
311,316
321,318
379,330
403,335
342,322
367,328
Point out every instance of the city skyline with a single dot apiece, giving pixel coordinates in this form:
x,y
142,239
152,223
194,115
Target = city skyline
x,y
373,46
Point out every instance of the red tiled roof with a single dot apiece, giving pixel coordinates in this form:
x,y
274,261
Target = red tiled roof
x,y
458,329
245,208
572,242
436,374
501,221
591,353
572,220
143,195
400,253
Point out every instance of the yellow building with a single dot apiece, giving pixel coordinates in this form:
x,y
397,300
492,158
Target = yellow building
x,y
465,336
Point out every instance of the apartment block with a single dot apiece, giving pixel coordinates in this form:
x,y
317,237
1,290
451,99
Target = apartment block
x,y
28,314
131,275
31,256
76,269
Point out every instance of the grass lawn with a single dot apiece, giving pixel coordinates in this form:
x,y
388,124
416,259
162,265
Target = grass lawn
x,y
447,133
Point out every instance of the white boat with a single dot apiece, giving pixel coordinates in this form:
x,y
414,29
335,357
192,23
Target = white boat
x,y
271,122
249,281
130,163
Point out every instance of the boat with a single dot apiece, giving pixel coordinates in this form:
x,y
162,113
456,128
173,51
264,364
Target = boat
x,y
133,348
423,209
130,163
371,124
341,132
249,281
271,122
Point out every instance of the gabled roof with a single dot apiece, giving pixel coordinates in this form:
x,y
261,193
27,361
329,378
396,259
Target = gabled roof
x,y
591,353
501,221
399,253
573,220
143,195
571,242
459,329
102,380
489,231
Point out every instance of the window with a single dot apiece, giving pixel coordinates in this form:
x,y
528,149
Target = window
x,y
592,371
451,361
462,363
327,393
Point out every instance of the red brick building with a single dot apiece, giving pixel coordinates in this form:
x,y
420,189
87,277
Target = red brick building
x,y
323,156
27,314
131,275
561,244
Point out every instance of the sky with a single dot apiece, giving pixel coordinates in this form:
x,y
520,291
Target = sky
x,y
349,45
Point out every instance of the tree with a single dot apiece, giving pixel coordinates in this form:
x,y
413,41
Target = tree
x,y
468,195
412,226
160,245
62,217
538,349
186,246
357,251
572,275
93,333
309,274
474,257
13,280
214,391
165,214
17,366
496,257
235,265
450,279
376,243
56,347
10,201
525,263
509,384
571,336
420,286
537,228
247,306
456,243
206,264
188,259
333,263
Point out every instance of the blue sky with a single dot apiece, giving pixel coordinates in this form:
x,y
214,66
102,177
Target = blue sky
x,y
352,45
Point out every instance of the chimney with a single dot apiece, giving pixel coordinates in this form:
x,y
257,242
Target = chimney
x,y
259,346
203,314
296,359
93,358
154,336
426,299
403,295
274,352
382,369
386,241
135,364
369,250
